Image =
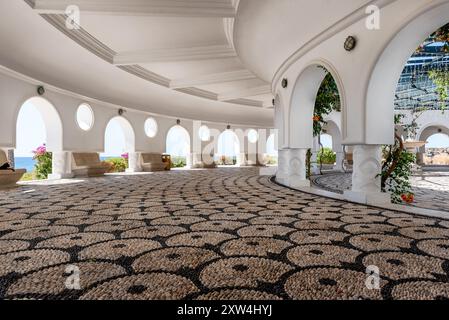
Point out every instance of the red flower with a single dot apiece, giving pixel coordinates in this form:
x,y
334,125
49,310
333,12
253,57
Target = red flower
x,y
316,118
408,198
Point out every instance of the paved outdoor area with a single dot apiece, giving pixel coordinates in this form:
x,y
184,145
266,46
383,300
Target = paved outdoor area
x,y
431,188
217,234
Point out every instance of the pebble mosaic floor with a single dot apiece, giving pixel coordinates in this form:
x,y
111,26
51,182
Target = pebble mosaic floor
x,y
218,234
431,188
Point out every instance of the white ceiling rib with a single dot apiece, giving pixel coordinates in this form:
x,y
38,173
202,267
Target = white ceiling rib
x,y
164,8
175,54
122,32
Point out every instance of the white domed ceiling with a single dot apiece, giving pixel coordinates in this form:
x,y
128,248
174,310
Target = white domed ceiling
x,y
268,32
164,56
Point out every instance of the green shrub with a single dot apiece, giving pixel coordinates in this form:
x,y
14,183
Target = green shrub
x,y
43,166
178,162
29,176
398,183
326,156
117,164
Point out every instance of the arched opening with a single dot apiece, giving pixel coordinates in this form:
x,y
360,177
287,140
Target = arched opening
x,y
436,150
420,78
38,129
315,96
381,95
119,141
228,148
178,146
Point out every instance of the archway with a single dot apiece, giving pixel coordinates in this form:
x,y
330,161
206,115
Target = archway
x,y
386,73
119,138
436,150
228,148
316,95
178,145
315,90
38,124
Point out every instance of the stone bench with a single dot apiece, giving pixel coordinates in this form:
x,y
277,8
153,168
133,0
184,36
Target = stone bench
x,y
9,178
88,165
152,162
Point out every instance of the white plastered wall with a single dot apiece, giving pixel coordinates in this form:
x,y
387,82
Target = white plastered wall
x,y
14,92
368,75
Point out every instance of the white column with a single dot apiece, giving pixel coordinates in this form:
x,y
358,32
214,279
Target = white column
x,y
366,180
282,172
339,162
297,169
315,166
134,162
241,159
197,161
61,165
292,168
189,161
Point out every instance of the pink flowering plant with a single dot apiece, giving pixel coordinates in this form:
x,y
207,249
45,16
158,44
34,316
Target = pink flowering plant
x,y
119,164
43,160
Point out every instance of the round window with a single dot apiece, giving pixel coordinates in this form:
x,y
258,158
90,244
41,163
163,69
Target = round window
x,y
151,127
204,133
253,136
85,117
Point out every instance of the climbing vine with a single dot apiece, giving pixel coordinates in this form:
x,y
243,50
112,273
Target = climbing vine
x,y
397,169
441,80
327,100
442,35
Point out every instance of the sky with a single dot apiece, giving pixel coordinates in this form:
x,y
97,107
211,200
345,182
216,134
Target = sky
x,y
31,134
30,131
178,142
438,141
326,141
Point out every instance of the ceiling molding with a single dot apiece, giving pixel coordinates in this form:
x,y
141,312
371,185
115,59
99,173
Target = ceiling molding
x,y
22,77
146,75
243,93
228,25
199,93
212,78
82,37
175,54
248,102
89,42
164,8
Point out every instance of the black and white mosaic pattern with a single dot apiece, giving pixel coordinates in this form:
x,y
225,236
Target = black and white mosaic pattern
x,y
216,234
431,188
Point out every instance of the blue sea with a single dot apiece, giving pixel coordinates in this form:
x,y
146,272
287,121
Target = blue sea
x,y
28,163
24,163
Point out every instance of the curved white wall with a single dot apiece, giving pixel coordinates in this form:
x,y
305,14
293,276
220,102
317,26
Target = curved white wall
x,y
16,89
